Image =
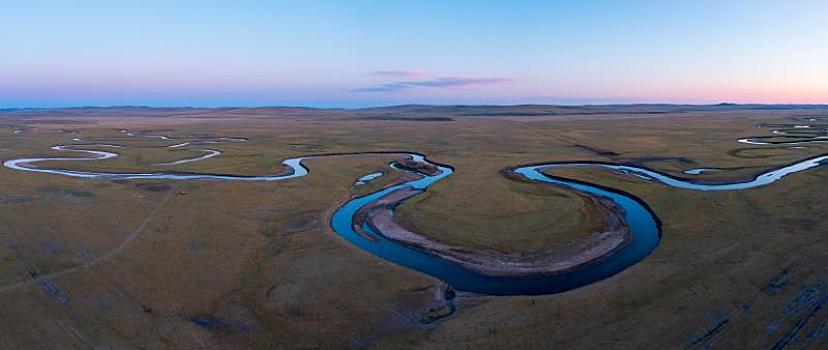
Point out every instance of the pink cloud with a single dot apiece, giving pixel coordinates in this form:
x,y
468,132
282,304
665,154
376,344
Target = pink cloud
x,y
439,82
401,73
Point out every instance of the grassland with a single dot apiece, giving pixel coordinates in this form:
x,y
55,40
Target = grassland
x,y
207,264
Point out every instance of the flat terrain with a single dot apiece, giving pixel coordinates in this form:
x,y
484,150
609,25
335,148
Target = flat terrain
x,y
210,264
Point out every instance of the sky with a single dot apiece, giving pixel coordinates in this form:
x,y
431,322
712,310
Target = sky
x,y
354,53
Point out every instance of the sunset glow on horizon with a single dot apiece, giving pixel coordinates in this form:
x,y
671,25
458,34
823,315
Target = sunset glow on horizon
x,y
369,53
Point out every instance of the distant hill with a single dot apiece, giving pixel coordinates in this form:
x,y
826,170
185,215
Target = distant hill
x,y
404,111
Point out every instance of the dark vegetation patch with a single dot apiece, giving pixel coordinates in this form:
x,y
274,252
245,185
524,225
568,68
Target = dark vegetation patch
x,y
780,281
509,114
204,135
193,246
746,153
67,195
49,247
220,325
276,247
56,121
642,160
153,187
765,152
800,224
597,151
271,231
300,224
272,212
407,119
304,146
21,199
291,226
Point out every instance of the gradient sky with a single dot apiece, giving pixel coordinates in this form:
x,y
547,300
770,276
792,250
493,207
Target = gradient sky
x,y
353,53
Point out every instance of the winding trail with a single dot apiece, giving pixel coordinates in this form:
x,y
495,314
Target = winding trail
x,y
106,256
631,229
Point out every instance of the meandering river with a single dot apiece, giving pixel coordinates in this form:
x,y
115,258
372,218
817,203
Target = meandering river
x,y
639,222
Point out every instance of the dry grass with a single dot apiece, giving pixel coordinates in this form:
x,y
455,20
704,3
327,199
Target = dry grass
x,y
242,264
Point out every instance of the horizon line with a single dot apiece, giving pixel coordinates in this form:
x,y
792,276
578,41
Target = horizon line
x,y
721,104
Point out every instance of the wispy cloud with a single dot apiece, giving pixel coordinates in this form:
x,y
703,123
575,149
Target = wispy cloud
x,y
440,82
401,73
